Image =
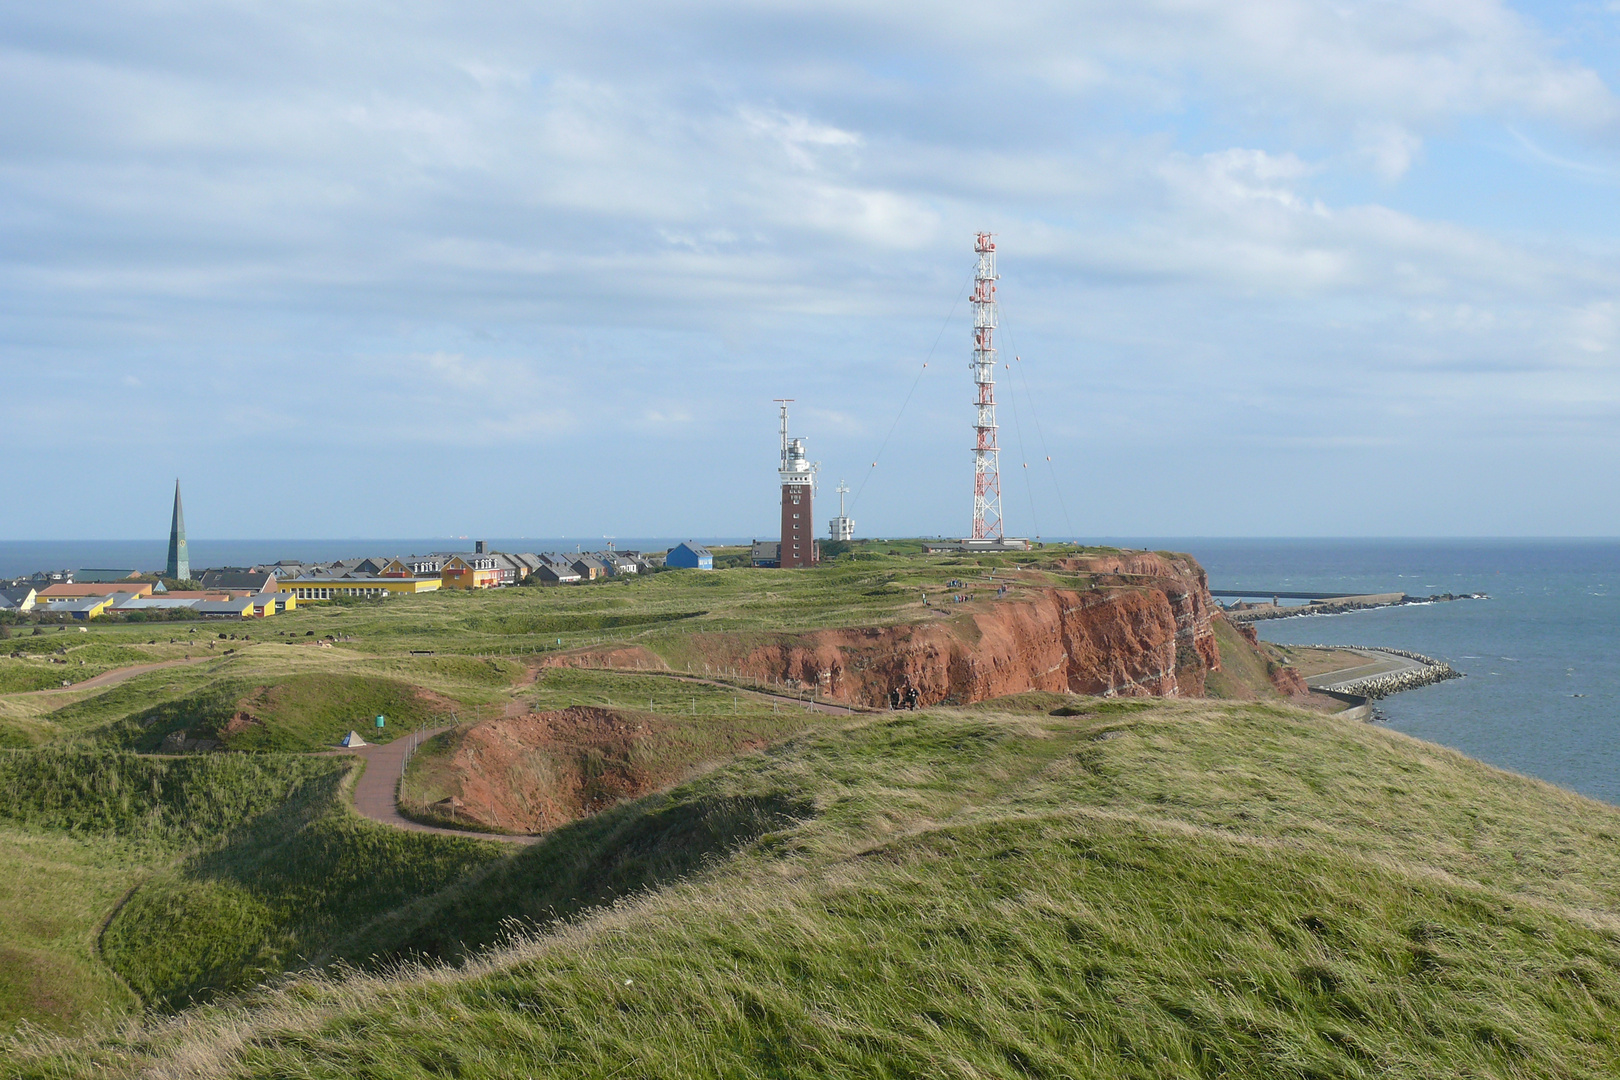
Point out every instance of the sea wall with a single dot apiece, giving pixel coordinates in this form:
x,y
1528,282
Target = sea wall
x,y
1429,672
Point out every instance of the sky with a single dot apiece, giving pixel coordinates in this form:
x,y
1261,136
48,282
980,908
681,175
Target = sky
x,y
1268,267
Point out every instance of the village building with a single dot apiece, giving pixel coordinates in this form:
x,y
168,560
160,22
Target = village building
x,y
81,592
589,567
618,564
236,579
82,608
325,584
102,575
765,553
19,598
474,571
689,556
240,608
556,573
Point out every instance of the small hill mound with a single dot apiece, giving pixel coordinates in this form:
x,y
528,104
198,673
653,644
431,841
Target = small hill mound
x,y
299,713
538,771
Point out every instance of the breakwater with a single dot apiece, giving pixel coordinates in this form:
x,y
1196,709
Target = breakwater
x,y
1424,671
1246,613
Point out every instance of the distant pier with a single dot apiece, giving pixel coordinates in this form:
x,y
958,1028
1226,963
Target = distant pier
x,y
1318,603
1293,595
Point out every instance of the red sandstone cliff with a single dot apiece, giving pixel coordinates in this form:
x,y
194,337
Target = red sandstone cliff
x,y
1143,627
1144,630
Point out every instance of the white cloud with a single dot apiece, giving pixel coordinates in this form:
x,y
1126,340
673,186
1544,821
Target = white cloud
x,y
1595,327
1228,179
799,136
1388,148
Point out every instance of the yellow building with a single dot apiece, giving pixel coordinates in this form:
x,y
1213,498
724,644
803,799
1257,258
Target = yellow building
x,y
242,607
82,608
267,604
471,572
365,587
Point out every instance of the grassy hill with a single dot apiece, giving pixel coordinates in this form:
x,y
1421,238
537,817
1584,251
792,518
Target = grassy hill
x,y
1041,886
129,880
78,832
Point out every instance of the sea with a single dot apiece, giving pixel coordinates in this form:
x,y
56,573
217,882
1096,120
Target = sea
x,y
1541,654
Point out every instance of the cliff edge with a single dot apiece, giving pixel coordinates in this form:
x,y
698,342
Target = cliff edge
x,y
1143,627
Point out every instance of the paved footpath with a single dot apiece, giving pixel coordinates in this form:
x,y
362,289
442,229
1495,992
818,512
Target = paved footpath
x,y
376,793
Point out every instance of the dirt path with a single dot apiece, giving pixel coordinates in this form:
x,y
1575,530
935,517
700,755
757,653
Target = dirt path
x,y
118,675
830,708
376,793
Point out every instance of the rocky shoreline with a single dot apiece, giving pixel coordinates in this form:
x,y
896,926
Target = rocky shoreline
x,y
1374,687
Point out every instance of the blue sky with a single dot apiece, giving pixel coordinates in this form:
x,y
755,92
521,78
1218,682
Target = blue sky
x,y
1273,268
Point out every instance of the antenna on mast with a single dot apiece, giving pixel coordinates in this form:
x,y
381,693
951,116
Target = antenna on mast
x,y
842,527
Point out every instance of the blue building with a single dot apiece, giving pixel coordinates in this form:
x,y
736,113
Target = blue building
x,y
690,556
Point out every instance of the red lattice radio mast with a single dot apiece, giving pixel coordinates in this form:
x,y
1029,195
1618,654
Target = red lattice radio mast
x,y
986,454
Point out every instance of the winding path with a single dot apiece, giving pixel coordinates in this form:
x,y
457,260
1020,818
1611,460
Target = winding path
x,y
118,675
376,793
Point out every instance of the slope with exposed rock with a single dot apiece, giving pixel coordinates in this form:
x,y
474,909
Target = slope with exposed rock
x,y
1144,627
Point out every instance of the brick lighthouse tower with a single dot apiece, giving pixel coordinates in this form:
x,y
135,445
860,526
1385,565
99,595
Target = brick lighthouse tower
x,y
799,546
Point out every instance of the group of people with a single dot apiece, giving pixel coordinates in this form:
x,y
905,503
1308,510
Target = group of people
x,y
903,698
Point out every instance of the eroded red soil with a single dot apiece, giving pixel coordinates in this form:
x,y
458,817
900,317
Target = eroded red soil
x,y
537,771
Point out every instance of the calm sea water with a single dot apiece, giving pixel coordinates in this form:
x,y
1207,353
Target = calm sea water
x,y
1542,655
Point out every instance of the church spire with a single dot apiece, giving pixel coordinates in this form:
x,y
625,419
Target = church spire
x,y
179,561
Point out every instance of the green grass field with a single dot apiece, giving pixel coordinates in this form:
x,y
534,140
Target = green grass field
x,y
1137,889
469,648
55,892
240,865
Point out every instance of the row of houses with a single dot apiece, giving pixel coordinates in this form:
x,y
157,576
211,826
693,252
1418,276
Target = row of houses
x,y
88,600
379,576
264,590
